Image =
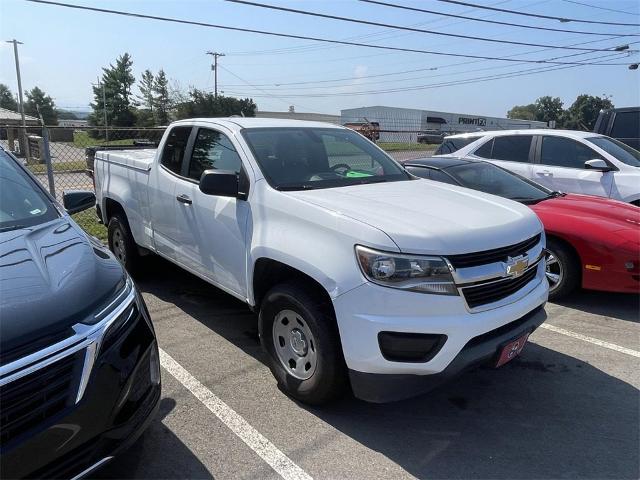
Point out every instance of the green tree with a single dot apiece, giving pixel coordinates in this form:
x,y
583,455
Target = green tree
x,y
147,81
206,104
66,115
39,103
548,108
523,112
6,98
161,98
583,113
117,81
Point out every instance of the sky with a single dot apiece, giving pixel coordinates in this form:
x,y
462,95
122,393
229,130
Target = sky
x,y
64,50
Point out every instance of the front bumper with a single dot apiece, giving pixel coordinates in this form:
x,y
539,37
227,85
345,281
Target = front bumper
x,y
366,311
382,388
120,400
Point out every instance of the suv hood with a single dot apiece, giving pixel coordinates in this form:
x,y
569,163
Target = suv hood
x,y
52,276
422,216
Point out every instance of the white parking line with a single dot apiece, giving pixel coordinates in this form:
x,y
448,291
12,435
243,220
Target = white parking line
x,y
595,341
238,425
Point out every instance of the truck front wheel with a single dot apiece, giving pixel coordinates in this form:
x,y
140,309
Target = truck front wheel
x,y
301,339
121,243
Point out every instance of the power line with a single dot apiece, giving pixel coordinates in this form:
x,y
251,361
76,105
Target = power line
x,y
408,29
380,35
277,97
300,37
518,73
600,8
402,72
495,22
536,15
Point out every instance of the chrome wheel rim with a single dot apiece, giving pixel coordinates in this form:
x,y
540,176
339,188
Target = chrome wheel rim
x,y
554,270
294,344
119,249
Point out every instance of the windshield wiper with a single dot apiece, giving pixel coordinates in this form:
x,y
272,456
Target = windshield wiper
x,y
8,228
288,188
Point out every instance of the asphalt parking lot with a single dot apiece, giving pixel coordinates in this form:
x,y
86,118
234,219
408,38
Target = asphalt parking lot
x,y
567,408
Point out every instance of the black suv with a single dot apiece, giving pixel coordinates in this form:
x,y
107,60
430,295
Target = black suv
x,y
79,364
622,124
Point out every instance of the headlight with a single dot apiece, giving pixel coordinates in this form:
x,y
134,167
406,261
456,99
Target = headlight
x,y
415,273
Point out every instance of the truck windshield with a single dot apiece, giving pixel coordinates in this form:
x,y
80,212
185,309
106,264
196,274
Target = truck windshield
x,y
621,151
22,203
309,158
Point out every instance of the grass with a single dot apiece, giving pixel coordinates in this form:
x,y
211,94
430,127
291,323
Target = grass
x,y
88,220
82,139
59,167
397,146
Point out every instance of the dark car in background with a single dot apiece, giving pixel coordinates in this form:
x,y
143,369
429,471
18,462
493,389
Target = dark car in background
x,y
620,123
79,363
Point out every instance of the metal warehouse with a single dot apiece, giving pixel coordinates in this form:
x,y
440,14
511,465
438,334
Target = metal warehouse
x,y
404,124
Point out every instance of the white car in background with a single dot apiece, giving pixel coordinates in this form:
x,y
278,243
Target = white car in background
x,y
562,160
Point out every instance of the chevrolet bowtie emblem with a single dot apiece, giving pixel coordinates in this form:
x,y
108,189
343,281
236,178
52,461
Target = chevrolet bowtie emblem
x,y
516,266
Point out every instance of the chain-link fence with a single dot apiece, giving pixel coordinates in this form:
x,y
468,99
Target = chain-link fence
x,y
61,158
69,153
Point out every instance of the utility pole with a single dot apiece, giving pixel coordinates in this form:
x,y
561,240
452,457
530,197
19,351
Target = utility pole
x,y
214,67
104,108
24,122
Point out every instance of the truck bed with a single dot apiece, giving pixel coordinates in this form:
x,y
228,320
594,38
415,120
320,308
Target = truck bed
x,y
139,159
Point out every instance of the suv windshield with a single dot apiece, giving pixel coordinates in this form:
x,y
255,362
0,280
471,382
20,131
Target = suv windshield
x,y
22,203
621,151
489,178
308,158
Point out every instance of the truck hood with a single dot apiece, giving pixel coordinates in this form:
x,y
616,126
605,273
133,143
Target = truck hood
x,y
52,276
423,216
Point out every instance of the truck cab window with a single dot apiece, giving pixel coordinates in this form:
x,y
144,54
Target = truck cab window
x,y
212,151
174,149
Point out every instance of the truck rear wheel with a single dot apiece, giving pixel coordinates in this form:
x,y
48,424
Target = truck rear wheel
x,y
121,243
302,342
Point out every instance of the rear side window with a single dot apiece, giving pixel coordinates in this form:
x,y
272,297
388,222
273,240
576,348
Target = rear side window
x,y
565,152
513,148
626,125
174,148
212,151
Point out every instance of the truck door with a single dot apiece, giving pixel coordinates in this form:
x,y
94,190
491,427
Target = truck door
x,y
162,185
211,228
561,167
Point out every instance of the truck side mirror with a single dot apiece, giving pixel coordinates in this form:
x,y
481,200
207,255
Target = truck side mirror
x,y
75,201
597,164
222,183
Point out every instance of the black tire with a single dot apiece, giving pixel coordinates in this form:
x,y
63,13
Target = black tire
x,y
121,243
568,268
328,380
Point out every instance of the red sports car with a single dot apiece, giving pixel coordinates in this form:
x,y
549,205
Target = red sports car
x,y
592,242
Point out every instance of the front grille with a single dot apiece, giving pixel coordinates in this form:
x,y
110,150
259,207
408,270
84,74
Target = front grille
x,y
486,293
29,401
33,345
492,256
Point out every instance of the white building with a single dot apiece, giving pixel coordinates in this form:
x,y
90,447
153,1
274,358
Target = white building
x,y
404,124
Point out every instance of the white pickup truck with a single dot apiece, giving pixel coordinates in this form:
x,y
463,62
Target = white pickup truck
x,y
361,273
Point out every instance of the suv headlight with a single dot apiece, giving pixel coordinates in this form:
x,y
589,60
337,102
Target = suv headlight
x,y
416,273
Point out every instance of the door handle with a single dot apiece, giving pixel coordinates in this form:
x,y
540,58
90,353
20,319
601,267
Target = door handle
x,y
545,173
184,199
